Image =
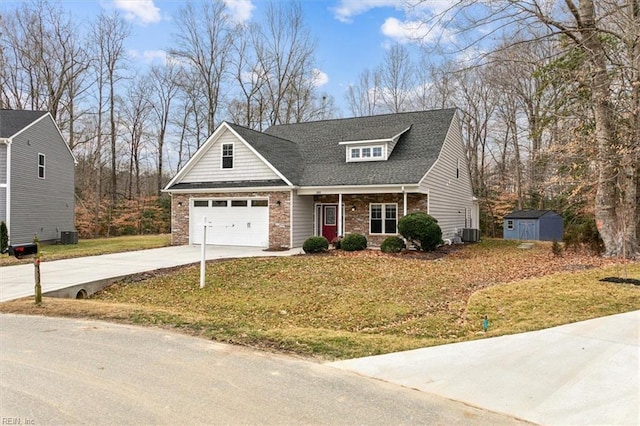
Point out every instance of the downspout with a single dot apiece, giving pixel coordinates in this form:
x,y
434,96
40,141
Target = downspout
x,y
339,214
404,200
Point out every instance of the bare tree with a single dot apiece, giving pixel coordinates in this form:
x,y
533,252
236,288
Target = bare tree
x,y
203,42
364,97
397,79
599,31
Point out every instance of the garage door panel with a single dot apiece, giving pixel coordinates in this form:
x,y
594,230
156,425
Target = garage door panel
x,y
236,223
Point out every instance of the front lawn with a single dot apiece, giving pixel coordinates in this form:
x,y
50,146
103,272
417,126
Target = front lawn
x,y
345,305
93,247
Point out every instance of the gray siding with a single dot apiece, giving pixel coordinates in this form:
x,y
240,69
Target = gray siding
x,y
246,165
3,204
450,195
42,207
301,219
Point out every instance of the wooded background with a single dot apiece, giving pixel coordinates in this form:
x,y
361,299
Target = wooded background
x,y
550,113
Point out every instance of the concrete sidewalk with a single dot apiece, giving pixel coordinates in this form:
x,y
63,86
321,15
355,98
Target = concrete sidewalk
x,y
18,281
577,374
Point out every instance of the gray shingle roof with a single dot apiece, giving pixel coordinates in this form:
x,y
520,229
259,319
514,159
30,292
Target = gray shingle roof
x,y
12,121
323,161
529,214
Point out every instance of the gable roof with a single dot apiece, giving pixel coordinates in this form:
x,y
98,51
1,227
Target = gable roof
x,y
313,154
324,159
13,121
530,214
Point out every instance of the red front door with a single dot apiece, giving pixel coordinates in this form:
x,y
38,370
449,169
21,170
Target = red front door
x,y
330,222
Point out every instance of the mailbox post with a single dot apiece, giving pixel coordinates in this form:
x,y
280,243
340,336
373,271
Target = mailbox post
x,y
27,250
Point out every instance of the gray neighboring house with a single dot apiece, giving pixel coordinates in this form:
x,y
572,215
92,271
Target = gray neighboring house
x,y
332,177
37,177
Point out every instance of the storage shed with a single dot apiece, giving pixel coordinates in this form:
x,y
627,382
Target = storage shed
x,y
541,225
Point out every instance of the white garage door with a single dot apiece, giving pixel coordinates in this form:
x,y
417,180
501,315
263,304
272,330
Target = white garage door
x,y
234,222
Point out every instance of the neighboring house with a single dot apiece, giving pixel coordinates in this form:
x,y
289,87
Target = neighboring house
x,y
333,177
37,177
542,225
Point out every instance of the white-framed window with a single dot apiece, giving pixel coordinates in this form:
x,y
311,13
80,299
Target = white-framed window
x,y
365,153
200,203
510,224
227,156
41,166
383,218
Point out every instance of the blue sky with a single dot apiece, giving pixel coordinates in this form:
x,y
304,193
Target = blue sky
x,y
351,35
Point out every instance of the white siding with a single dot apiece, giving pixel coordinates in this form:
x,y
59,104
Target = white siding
x,y
449,195
301,218
246,165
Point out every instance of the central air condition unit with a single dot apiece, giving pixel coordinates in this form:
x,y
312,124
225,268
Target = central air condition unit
x,y
470,235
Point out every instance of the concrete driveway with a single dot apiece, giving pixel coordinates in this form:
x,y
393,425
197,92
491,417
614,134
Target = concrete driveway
x,y
18,281
586,373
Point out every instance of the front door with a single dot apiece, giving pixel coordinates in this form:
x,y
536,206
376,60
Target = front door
x,y
330,221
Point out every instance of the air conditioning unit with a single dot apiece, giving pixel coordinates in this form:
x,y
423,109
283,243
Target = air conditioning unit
x,y
470,235
69,237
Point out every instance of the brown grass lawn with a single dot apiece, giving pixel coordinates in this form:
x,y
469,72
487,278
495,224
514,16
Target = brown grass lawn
x,y
343,305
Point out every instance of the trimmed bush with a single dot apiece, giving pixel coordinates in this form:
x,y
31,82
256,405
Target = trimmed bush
x,y
392,245
353,242
421,230
315,245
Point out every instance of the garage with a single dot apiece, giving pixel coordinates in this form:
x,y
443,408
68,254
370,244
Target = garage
x,y
232,221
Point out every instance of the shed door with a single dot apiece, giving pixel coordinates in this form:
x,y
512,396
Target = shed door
x,y
234,222
526,229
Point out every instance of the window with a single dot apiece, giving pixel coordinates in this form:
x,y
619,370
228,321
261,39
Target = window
x,y
365,153
510,224
259,203
238,203
201,203
383,218
218,203
41,166
227,156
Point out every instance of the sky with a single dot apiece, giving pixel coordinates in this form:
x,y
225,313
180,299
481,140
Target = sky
x,y
351,35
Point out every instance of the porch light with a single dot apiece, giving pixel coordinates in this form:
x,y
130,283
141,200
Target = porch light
x,y
278,203
353,208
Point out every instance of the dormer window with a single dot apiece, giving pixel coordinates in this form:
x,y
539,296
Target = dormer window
x,y
365,153
364,147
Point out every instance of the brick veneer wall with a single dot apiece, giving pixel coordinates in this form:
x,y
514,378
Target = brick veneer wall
x,y
279,215
358,220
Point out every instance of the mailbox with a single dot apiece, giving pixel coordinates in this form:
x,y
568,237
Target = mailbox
x,y
22,250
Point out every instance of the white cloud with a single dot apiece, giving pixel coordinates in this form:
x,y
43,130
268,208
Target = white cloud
x,y
143,10
410,31
320,78
149,56
347,9
239,10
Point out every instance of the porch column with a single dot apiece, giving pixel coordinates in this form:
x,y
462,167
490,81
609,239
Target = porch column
x,y
404,199
339,218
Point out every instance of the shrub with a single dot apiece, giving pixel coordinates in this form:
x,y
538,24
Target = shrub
x,y
556,249
315,245
4,237
421,230
336,242
392,245
353,242
583,235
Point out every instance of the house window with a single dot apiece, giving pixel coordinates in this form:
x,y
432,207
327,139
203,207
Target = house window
x,y
259,203
41,166
218,203
383,218
201,203
227,156
365,153
510,225
239,203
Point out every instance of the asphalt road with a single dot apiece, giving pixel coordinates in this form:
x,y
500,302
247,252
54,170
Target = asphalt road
x,y
63,371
